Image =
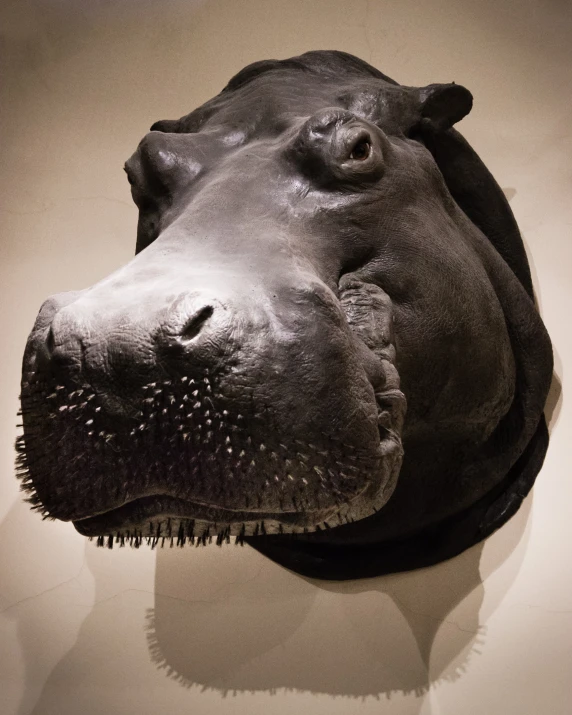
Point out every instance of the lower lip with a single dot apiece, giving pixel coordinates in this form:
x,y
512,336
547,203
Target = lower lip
x,y
139,512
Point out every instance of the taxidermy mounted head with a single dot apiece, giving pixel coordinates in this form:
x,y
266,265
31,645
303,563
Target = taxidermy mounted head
x,y
326,344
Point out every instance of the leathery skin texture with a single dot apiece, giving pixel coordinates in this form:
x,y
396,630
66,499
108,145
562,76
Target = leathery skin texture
x,y
326,345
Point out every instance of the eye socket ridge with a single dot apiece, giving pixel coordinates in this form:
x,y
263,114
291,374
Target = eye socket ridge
x,y
139,191
130,177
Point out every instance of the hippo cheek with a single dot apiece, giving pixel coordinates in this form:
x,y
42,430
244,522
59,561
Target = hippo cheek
x,y
296,432
369,313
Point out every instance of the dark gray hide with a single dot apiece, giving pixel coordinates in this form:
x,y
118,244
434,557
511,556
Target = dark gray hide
x,y
316,248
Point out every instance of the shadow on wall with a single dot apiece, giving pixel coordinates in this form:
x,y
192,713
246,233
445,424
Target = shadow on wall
x,y
372,637
231,621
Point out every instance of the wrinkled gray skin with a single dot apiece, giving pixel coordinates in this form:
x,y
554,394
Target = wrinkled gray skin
x,y
311,318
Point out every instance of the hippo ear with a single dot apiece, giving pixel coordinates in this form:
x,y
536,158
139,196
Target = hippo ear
x,y
166,125
444,104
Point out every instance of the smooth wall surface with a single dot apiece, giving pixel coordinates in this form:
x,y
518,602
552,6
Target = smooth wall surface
x,y
92,631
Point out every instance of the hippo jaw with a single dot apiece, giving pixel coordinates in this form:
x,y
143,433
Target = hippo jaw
x,y
243,479
197,451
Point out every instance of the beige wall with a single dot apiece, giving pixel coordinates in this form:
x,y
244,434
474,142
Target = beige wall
x,y
87,631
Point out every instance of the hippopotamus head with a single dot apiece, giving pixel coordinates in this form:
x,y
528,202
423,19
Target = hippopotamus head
x,y
316,249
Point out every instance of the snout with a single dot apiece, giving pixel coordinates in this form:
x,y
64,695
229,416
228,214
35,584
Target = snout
x,y
196,404
116,348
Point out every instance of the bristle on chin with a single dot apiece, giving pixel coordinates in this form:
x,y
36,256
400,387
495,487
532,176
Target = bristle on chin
x,y
158,535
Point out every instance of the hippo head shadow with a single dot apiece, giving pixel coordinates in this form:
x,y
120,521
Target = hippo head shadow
x,y
247,624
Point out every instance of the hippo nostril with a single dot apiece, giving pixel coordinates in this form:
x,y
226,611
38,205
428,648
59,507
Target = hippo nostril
x,y
62,347
50,341
195,323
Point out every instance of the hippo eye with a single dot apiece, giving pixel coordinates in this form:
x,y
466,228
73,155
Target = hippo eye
x,y
361,150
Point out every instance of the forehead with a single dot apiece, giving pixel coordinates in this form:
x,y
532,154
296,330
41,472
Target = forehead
x,y
268,104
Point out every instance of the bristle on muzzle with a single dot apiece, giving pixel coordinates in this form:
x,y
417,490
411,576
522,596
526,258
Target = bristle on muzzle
x,y
23,462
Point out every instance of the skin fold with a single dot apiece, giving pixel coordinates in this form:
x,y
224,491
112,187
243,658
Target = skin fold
x,y
326,344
